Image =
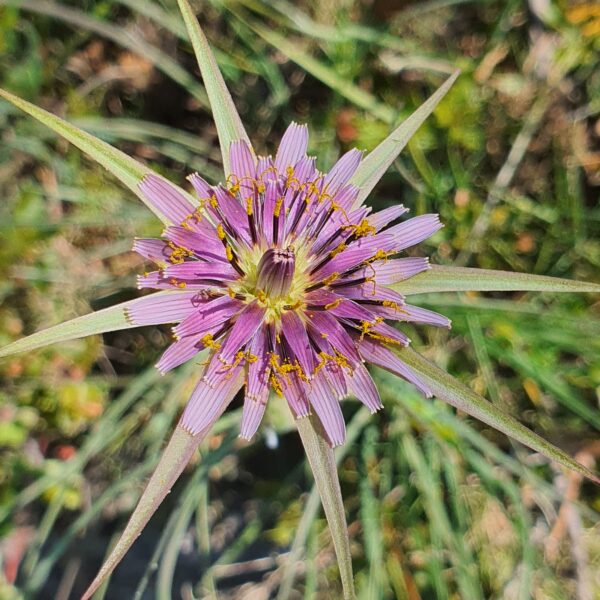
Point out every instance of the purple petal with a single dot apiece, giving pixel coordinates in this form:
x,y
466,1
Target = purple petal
x,y
338,305
257,380
202,188
379,355
245,326
265,169
243,162
412,232
356,253
296,395
207,403
163,308
166,199
252,415
179,352
213,314
292,147
270,202
361,385
204,244
235,218
158,251
324,325
388,334
328,409
158,280
399,269
305,170
295,334
383,218
342,171
416,314
337,379
195,270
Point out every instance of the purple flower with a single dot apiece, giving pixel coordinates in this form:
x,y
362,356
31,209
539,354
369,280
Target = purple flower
x,y
282,274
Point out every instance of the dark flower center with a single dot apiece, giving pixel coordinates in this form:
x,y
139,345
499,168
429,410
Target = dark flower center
x,y
276,272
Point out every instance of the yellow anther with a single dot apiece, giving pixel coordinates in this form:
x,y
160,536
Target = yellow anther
x,y
262,297
231,293
209,342
329,280
275,384
337,250
229,253
220,231
379,255
249,209
260,188
364,228
213,201
334,304
277,209
179,284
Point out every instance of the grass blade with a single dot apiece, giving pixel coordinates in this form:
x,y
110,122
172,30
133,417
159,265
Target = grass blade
x,y
461,279
452,391
127,170
228,122
378,161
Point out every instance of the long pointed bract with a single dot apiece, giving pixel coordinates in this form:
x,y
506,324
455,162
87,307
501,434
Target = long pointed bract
x,y
322,463
228,122
174,459
452,391
378,161
113,318
127,170
461,279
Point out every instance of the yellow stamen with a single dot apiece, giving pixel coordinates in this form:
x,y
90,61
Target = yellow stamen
x,y
329,280
277,209
334,304
209,342
337,250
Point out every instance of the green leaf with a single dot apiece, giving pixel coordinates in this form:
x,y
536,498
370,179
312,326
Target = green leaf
x,y
228,122
127,170
378,161
113,318
322,463
452,391
462,279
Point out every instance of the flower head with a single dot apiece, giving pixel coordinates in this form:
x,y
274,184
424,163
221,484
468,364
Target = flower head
x,y
283,276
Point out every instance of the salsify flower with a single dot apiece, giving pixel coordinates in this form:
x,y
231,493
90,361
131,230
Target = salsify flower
x,y
284,277
288,283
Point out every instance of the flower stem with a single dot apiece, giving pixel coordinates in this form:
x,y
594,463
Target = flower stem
x,y
322,463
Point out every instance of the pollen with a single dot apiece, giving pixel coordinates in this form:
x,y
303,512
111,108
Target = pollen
x,y
209,342
334,304
277,209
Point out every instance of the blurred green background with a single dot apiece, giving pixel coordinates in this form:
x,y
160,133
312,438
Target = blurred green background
x,y
438,506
